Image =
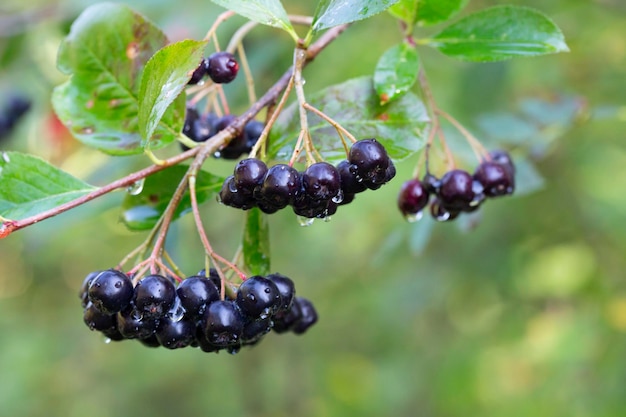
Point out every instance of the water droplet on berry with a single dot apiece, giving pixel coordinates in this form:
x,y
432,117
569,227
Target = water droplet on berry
x,y
338,198
414,217
443,216
107,340
177,311
304,221
136,315
135,188
217,154
232,187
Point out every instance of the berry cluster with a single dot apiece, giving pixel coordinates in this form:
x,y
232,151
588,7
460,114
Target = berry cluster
x,y
221,67
201,127
458,191
158,313
314,193
12,113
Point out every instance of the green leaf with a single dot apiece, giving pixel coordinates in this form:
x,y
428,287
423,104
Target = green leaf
x,y
401,126
405,10
267,12
426,12
396,72
145,203
500,33
331,13
256,243
29,185
165,76
105,53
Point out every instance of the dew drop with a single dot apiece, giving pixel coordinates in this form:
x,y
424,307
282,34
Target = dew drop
x,y
443,216
305,221
414,217
5,157
135,188
232,187
251,297
136,315
217,154
118,284
107,340
338,198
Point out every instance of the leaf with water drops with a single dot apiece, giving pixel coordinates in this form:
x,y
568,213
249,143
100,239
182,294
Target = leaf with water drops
x,y
256,243
267,12
500,33
396,72
105,55
146,200
29,185
401,126
331,13
165,76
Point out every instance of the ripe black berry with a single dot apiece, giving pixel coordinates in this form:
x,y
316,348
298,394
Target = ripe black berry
x,y
223,323
199,73
175,334
442,213
195,293
132,325
350,183
251,132
413,197
258,297
370,160
154,296
456,192
280,186
229,195
97,320
495,179
286,289
223,67
321,181
308,316
111,291
249,174
84,288
503,158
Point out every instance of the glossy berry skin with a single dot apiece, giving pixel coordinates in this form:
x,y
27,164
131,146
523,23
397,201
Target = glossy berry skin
x,y
280,186
413,197
252,132
132,325
286,289
84,288
249,175
503,158
308,316
223,323
154,296
222,67
97,320
254,330
230,196
441,213
456,191
495,179
199,73
350,184
285,320
195,293
370,160
258,297
321,181
172,334
111,291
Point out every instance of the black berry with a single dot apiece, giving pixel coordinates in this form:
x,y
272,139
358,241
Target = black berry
x,y
223,67
111,291
321,181
175,334
223,324
456,191
258,297
199,73
195,293
286,289
154,296
280,186
370,160
413,197
308,316
249,175
495,179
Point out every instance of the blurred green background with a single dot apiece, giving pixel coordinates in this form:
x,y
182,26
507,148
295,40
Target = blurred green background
x,y
519,311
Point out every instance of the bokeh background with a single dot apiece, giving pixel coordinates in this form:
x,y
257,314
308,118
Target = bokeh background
x,y
519,311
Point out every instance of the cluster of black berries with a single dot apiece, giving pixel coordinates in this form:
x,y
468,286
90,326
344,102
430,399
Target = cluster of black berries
x,y
157,313
201,127
314,193
458,191
221,67
12,112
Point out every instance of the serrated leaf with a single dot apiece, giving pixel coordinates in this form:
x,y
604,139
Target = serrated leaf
x,y
256,243
143,210
331,13
401,126
396,72
500,33
165,76
29,185
267,12
105,53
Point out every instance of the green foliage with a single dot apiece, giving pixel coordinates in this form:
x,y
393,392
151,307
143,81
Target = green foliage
x,y
105,53
29,185
500,33
400,126
267,12
426,12
331,13
256,243
141,209
165,76
396,72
